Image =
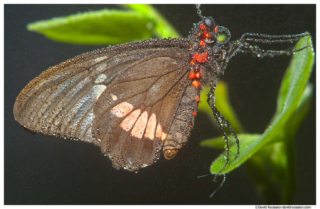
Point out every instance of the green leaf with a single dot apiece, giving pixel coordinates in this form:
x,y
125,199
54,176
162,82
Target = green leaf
x,y
219,143
163,29
263,180
288,152
280,158
296,76
96,27
303,107
296,79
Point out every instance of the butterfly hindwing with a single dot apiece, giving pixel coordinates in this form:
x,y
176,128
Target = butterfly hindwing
x,y
142,111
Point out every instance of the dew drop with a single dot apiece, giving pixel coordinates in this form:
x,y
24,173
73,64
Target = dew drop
x,y
149,26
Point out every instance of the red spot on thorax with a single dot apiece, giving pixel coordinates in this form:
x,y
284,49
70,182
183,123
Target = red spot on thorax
x,y
197,99
202,43
203,27
201,58
192,75
196,83
198,75
206,34
215,29
194,113
192,62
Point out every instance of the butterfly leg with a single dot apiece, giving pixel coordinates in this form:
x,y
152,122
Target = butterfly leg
x,y
224,179
222,122
243,45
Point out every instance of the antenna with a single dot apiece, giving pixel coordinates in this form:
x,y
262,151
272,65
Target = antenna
x,y
199,11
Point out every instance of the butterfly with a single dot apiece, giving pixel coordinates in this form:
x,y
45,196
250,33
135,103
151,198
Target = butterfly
x,y
137,100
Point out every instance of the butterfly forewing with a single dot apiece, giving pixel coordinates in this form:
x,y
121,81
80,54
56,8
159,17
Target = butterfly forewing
x,y
129,99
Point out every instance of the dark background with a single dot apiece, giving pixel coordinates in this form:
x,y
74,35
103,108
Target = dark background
x,y
48,170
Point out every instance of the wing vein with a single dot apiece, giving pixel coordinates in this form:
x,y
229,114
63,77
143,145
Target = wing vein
x,y
62,97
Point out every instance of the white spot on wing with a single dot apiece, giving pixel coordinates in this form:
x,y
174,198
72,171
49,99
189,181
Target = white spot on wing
x,y
114,97
100,58
98,89
100,78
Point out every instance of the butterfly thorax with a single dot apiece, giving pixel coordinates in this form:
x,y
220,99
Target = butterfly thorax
x,y
208,55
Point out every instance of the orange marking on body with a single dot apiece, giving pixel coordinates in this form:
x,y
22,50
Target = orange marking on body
x,y
140,126
163,136
196,83
198,75
129,121
202,43
192,62
192,75
201,58
197,99
170,153
206,34
215,29
151,127
199,34
194,113
203,27
122,109
190,126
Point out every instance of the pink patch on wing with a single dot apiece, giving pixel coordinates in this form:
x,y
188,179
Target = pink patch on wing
x,y
122,109
151,127
160,134
163,136
159,131
129,121
140,126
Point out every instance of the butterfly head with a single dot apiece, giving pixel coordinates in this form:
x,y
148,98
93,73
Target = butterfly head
x,y
209,31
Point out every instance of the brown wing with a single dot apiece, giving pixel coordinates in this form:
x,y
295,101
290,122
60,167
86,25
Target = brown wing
x,y
124,99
